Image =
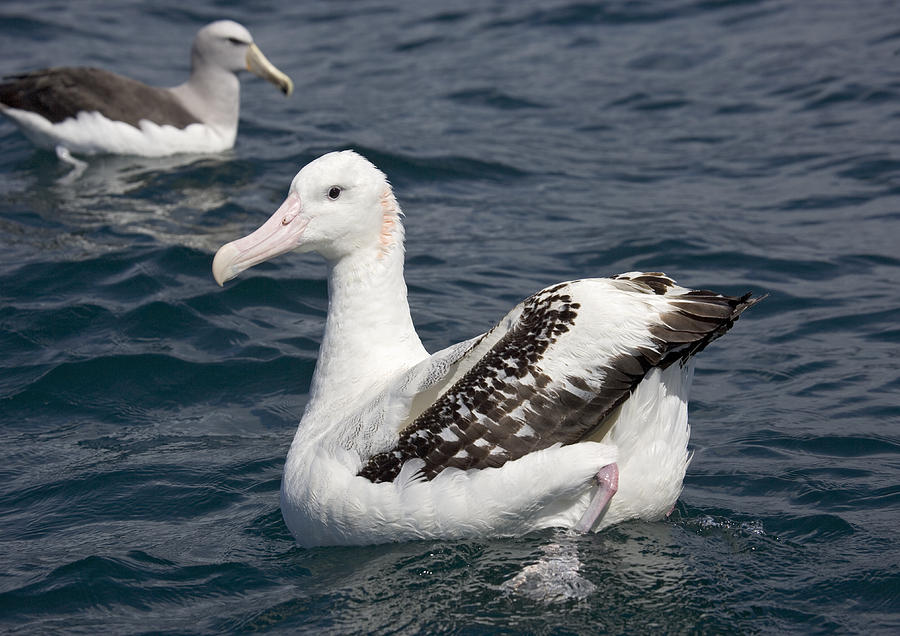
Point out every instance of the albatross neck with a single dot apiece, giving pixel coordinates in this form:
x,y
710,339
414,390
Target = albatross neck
x,y
369,333
212,94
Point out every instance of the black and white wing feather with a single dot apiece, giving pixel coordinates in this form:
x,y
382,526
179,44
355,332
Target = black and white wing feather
x,y
552,370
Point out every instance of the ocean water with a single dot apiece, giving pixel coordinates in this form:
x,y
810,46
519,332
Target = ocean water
x,y
145,412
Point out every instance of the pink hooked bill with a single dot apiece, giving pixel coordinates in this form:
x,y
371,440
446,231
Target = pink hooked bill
x,y
281,233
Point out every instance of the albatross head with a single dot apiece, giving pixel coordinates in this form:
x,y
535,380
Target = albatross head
x,y
337,205
229,45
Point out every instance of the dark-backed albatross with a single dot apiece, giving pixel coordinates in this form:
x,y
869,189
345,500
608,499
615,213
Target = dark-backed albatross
x,y
571,412
91,111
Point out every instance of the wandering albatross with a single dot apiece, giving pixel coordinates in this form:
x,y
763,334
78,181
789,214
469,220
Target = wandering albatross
x,y
571,412
91,111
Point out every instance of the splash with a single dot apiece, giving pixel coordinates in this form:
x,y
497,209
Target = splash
x,y
553,578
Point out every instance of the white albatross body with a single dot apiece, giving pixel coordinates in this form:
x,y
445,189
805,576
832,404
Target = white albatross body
x,y
496,436
91,111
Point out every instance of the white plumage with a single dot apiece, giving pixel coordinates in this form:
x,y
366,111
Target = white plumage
x,y
497,436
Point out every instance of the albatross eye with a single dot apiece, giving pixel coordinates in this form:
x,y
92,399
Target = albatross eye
x,y
236,41
334,193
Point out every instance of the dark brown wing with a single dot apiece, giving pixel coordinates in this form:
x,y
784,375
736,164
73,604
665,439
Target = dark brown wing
x,y
60,93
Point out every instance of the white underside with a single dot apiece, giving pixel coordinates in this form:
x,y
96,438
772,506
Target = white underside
x,y
325,503
92,133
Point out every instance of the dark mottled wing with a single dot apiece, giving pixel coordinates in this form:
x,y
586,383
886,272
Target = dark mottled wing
x,y
506,405
60,93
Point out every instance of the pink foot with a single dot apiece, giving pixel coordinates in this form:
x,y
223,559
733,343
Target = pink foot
x,y
608,479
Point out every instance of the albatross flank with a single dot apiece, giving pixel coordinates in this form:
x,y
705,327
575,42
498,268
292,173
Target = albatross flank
x,y
92,111
571,412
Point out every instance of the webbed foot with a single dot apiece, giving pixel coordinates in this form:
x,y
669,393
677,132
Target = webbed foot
x,y
608,480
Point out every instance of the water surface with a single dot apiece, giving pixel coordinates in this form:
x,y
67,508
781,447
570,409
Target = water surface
x,y
145,413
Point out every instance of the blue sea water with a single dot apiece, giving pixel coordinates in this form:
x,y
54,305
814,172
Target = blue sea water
x,y
737,145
